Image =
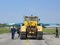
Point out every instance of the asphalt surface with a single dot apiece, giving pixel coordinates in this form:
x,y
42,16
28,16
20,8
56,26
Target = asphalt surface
x,y
5,39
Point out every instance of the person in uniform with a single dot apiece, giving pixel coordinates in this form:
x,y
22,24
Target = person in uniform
x,y
57,36
18,31
13,30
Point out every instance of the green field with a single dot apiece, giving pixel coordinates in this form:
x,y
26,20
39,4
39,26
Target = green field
x,y
45,30
4,30
50,30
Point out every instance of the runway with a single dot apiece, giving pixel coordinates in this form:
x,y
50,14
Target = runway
x,y
5,39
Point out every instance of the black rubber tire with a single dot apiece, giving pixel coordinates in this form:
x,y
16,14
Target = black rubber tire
x,y
23,36
40,35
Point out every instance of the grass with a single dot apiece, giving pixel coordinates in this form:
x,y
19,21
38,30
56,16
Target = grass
x,y
4,30
45,30
59,30
50,30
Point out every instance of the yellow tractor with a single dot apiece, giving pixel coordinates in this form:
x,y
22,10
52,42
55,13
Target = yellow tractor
x,y
31,28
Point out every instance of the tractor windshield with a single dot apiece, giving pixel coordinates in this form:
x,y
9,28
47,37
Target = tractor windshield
x,y
31,18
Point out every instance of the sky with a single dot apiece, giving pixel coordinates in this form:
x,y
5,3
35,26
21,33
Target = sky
x,y
13,11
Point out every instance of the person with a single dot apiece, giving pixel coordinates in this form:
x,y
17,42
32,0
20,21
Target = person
x,y
57,36
18,31
13,30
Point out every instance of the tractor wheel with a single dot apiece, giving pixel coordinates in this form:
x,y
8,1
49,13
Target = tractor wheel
x,y
39,35
23,36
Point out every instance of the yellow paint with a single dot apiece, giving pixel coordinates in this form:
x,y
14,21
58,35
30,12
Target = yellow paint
x,y
39,28
23,29
26,42
32,23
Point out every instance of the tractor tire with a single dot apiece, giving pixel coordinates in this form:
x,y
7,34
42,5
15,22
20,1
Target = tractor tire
x,y
40,35
23,35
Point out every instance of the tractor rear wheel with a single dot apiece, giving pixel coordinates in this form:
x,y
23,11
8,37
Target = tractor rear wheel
x,y
23,35
39,35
